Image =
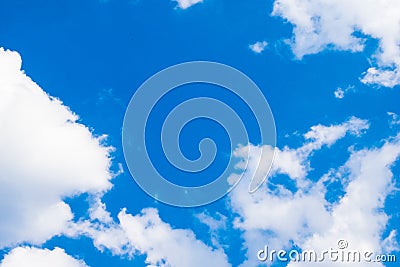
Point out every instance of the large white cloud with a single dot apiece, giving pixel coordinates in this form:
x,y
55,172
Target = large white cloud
x,y
281,217
320,25
35,257
46,156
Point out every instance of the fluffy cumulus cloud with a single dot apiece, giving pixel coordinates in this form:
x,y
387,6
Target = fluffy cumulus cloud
x,y
146,234
46,156
359,217
35,257
184,4
161,243
280,217
343,25
258,47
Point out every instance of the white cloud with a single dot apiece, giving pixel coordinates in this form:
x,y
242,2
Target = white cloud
x,y
390,244
280,217
381,76
146,234
342,91
35,257
395,119
256,155
293,162
339,93
321,135
258,47
290,162
276,218
184,4
320,25
214,223
150,235
46,156
359,217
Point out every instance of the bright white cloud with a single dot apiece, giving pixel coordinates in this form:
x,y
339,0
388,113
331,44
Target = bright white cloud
x,y
103,230
321,135
290,162
184,4
46,156
274,218
359,217
293,162
279,217
35,257
258,47
320,25
149,235
146,234
389,77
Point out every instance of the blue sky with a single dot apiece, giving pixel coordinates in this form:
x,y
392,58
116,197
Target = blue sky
x,y
93,55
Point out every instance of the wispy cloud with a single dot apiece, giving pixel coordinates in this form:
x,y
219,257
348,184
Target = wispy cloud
x,y
304,217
